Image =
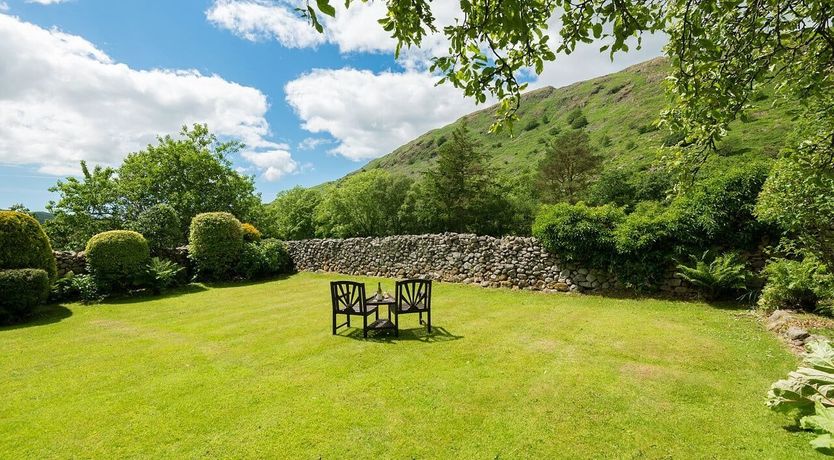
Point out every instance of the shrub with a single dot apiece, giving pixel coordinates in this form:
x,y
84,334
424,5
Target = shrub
x,y
250,262
87,287
275,256
796,284
23,243
267,258
215,244
161,274
117,258
579,122
250,233
21,290
578,232
531,125
161,226
715,276
646,242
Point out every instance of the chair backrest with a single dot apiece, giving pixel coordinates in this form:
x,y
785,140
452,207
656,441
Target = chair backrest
x,y
413,295
347,295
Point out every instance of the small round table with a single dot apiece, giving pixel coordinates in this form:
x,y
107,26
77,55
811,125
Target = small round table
x,y
382,323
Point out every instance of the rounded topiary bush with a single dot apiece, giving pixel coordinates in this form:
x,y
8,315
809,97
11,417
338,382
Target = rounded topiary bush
x,y
161,226
118,257
23,243
215,243
21,290
250,233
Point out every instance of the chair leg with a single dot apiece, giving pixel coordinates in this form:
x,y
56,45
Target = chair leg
x,y
421,318
348,321
396,325
377,314
428,317
364,326
334,323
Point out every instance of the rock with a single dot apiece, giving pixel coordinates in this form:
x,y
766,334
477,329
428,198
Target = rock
x,y
777,319
796,334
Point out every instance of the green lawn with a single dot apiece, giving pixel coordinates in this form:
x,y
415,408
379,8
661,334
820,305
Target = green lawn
x,y
253,371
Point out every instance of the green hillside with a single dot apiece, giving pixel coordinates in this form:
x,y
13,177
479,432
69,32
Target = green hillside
x,y
621,110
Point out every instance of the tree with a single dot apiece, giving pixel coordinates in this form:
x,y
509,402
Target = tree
x,y
192,174
292,214
798,195
85,207
566,168
364,204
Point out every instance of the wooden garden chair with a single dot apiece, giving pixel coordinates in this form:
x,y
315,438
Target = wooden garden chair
x,y
413,296
348,299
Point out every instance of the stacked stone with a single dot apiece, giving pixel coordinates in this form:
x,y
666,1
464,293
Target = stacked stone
x,y
70,261
510,262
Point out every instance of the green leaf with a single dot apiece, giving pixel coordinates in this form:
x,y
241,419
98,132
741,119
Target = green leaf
x,y
326,8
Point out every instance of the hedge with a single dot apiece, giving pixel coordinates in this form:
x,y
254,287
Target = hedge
x,y
23,243
21,290
215,244
161,227
117,258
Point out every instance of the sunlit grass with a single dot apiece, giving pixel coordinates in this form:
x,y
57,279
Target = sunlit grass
x,y
253,371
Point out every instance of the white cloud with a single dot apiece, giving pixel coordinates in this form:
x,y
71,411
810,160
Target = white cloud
x,y
311,143
354,29
274,163
371,114
46,2
4,6
63,100
255,20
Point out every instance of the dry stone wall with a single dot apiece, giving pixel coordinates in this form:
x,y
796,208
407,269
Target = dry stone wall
x,y
69,261
512,262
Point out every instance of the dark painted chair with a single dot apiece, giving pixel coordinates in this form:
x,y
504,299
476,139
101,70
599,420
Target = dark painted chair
x,y
348,299
413,296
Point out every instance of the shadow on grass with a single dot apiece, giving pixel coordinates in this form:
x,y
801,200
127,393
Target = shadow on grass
x,y
242,283
44,315
438,334
630,295
144,297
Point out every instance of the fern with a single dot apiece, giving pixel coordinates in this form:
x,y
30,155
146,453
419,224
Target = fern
x,y
715,276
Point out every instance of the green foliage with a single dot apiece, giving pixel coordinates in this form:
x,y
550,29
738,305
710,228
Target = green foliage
x,y
364,204
161,226
73,287
215,244
250,233
578,232
715,276
799,196
531,125
576,119
117,258
809,393
21,290
293,213
191,174
460,193
567,167
85,207
264,259
23,243
87,287
161,274
797,284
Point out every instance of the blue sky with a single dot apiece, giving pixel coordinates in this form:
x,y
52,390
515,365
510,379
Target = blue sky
x,y
96,79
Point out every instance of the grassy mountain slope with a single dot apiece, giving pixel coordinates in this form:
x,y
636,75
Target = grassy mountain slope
x,y
621,109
